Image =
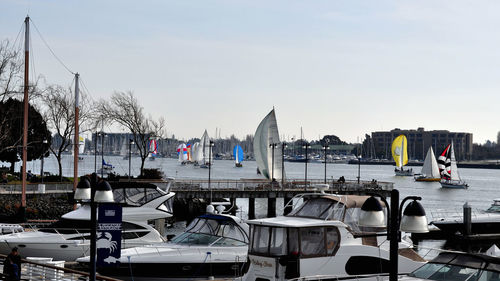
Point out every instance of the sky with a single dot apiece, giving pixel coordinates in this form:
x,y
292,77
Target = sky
x,y
329,67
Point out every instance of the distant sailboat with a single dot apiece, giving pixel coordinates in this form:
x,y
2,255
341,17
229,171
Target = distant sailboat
x,y
81,148
430,170
449,170
197,154
400,155
266,134
238,155
153,150
205,148
182,153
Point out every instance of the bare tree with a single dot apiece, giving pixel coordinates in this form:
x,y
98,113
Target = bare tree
x,y
10,71
124,109
59,104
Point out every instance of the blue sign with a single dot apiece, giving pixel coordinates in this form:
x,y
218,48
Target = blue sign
x,y
109,235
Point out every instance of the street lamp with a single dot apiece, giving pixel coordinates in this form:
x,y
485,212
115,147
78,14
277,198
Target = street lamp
x,y
413,219
325,148
43,156
130,143
306,146
283,146
96,192
273,146
102,154
211,144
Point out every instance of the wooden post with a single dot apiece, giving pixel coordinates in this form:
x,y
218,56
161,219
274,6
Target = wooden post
x,y
467,219
271,207
251,208
77,134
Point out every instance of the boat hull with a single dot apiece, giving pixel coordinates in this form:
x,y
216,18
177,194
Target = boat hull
x,y
454,185
175,271
427,179
404,173
487,227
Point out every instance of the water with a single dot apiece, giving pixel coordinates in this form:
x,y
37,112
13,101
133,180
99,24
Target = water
x,y
483,183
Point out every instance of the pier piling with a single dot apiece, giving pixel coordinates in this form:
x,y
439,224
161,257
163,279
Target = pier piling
x,y
251,208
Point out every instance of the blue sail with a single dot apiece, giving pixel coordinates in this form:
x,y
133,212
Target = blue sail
x,y
238,153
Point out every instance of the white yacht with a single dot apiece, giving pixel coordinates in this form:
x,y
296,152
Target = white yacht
x,y
69,238
212,245
321,239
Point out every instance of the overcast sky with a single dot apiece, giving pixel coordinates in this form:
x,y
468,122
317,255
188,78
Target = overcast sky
x,y
332,67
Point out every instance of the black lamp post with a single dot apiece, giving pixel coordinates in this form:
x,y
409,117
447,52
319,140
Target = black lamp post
x,y
95,152
283,146
96,192
102,154
306,146
43,156
130,143
211,144
325,148
411,220
273,146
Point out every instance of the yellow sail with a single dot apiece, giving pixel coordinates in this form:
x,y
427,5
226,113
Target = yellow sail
x,y
399,151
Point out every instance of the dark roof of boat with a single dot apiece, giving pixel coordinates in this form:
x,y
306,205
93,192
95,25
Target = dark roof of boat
x,y
216,217
478,261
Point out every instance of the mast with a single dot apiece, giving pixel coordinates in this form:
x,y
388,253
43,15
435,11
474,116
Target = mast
x,y
77,135
26,107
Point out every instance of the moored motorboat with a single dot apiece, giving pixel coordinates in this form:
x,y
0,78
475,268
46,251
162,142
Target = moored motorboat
x,y
212,245
321,237
68,238
485,222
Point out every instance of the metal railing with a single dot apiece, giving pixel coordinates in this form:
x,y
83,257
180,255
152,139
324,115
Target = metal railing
x,y
46,269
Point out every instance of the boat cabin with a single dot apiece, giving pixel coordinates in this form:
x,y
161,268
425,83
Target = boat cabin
x,y
495,207
307,241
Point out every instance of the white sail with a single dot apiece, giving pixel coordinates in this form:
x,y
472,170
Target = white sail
x,y
81,145
454,169
266,134
197,152
205,146
430,168
236,157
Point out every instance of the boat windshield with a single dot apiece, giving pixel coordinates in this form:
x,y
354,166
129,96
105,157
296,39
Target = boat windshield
x,y
299,242
213,230
494,208
455,267
327,209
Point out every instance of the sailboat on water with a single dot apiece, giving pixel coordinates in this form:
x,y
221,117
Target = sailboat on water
x,y
238,156
197,154
269,160
207,155
450,178
153,149
400,155
182,153
430,170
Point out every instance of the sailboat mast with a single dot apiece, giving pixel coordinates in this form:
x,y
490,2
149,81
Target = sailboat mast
x,y
77,134
26,107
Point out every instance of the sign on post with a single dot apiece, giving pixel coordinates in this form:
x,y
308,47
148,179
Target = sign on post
x,y
109,234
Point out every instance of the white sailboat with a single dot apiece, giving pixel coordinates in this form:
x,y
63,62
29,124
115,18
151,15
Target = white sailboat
x,y
265,135
450,178
197,154
208,157
430,169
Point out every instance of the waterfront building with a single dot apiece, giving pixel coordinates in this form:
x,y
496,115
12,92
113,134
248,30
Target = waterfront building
x,y
419,141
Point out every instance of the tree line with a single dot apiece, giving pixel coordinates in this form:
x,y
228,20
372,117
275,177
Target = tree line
x,y
52,114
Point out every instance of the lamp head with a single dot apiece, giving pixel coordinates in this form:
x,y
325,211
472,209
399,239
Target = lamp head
x,y
414,219
103,193
372,213
82,192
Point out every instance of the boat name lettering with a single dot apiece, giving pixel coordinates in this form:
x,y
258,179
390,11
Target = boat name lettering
x,y
110,226
261,263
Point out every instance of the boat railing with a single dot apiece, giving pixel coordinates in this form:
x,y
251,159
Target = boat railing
x,y
455,213
46,269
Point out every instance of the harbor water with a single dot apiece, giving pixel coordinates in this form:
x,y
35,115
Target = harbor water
x,y
484,184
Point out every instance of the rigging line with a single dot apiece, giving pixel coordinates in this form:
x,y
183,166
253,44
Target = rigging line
x,y
17,37
52,52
